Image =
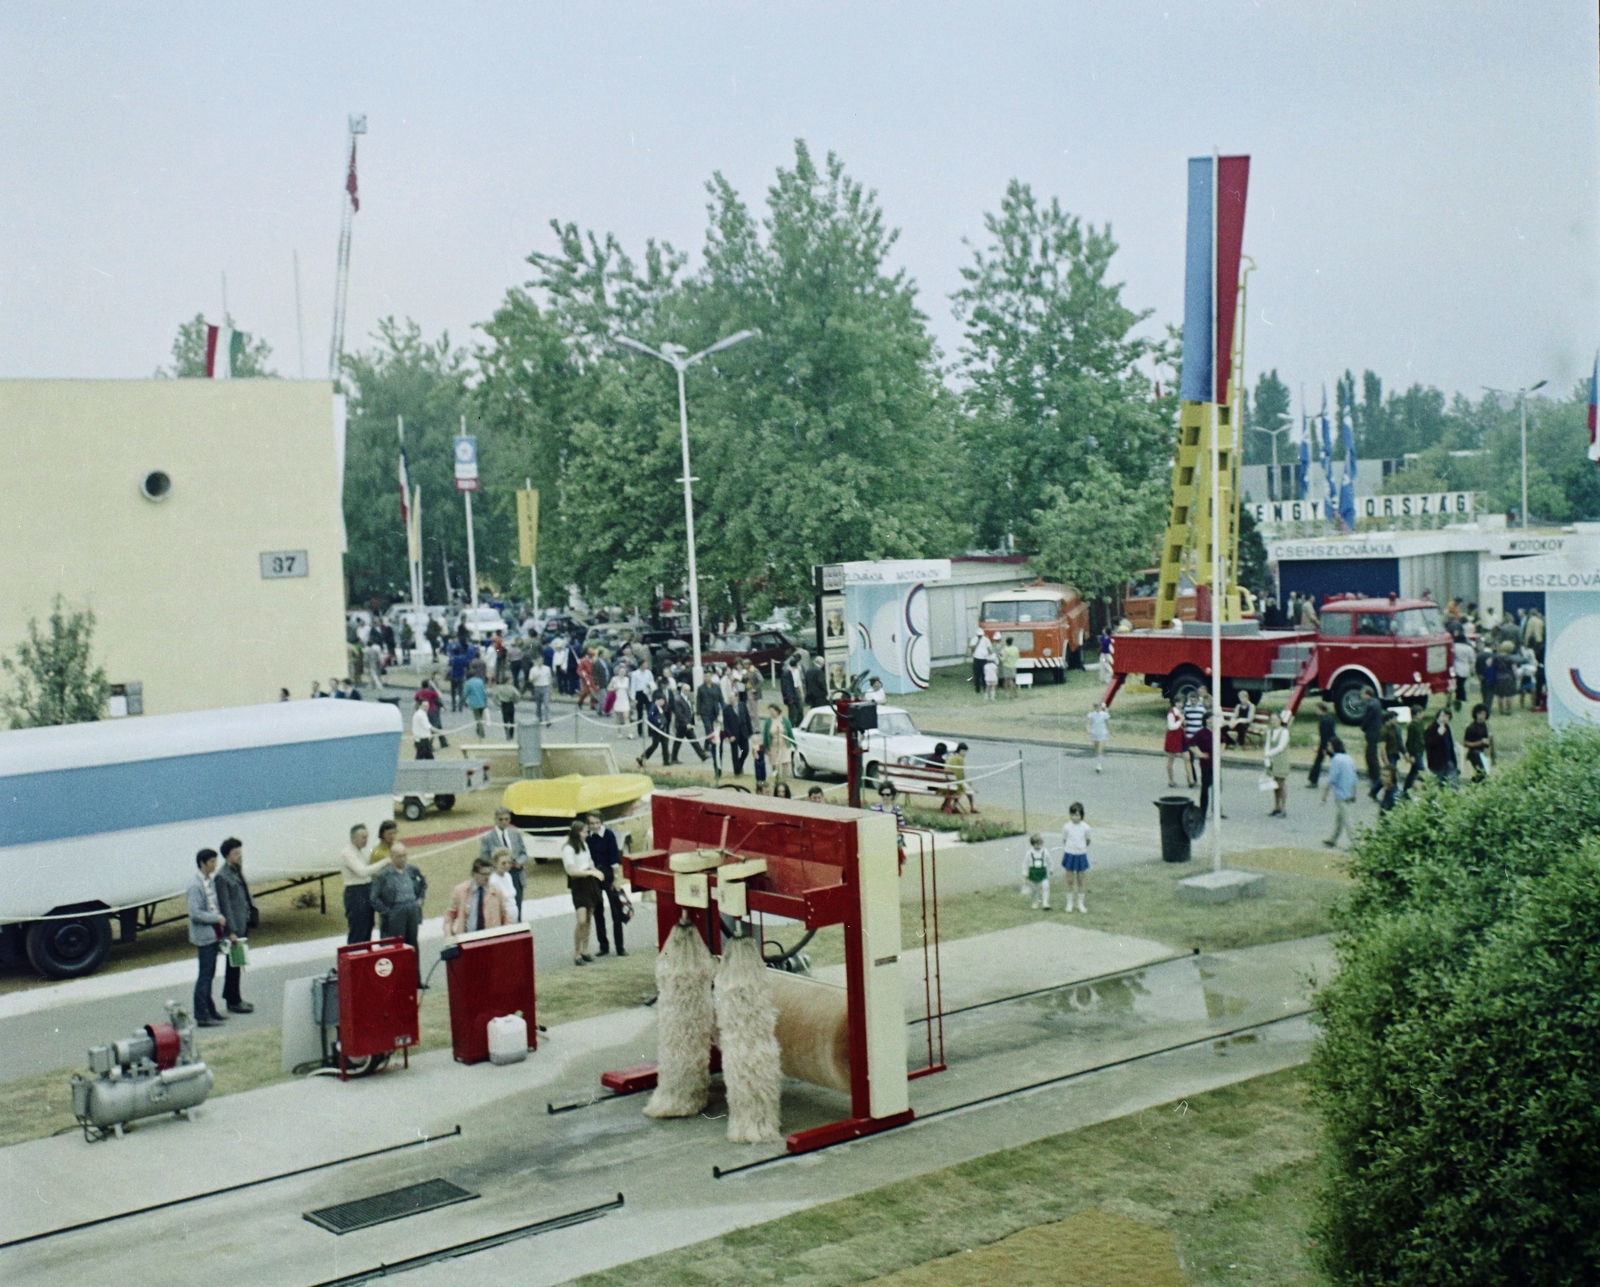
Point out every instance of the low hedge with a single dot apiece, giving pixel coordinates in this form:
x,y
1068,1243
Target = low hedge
x,y
1459,1074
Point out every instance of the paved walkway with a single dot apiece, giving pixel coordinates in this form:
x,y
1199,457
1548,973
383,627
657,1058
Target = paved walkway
x,y
528,1165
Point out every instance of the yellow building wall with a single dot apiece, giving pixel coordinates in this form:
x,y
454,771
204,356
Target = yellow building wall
x,y
176,585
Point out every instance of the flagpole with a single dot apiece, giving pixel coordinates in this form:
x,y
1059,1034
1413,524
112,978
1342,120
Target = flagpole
x,y
472,550
1216,533
533,567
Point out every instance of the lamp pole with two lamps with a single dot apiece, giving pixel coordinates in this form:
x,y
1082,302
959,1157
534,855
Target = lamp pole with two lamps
x,y
1522,402
680,360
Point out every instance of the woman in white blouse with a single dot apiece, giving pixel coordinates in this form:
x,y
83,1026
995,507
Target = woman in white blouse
x,y
1275,759
584,880
501,880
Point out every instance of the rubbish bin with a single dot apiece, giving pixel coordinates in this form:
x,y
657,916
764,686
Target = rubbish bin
x,y
1174,827
530,740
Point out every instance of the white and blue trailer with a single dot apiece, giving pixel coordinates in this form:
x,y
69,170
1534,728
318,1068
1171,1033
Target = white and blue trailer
x,y
102,821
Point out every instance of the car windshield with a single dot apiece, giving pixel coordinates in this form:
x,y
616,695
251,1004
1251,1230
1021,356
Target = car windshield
x,y
896,724
1416,623
1374,623
732,643
1007,611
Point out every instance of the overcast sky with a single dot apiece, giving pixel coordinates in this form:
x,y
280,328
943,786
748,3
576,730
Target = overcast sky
x,y
1423,194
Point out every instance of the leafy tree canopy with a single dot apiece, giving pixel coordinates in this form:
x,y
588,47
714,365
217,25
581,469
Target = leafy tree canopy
x,y
404,375
825,438
1269,416
1051,365
55,682
1099,531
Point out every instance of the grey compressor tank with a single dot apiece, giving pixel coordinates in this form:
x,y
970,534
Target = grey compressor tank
x,y
154,1071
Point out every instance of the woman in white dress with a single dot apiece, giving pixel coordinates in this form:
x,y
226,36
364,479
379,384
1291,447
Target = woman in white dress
x,y
620,705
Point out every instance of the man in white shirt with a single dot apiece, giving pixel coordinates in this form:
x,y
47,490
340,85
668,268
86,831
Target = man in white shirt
x,y
357,871
641,684
421,732
982,651
539,678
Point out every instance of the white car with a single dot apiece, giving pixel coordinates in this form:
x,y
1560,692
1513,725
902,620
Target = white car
x,y
483,623
820,747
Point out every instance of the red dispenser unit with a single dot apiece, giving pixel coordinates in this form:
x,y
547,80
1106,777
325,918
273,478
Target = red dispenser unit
x,y
490,973
377,999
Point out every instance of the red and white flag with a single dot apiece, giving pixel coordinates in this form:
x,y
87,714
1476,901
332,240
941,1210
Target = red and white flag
x,y
224,348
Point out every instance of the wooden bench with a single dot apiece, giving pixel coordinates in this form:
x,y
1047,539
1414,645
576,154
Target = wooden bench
x,y
1257,728
931,779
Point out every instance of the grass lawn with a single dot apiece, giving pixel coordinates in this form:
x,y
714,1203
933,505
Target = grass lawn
x,y
1219,1183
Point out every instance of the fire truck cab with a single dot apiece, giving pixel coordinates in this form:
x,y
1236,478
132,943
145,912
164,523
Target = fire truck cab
x,y
1046,621
1397,647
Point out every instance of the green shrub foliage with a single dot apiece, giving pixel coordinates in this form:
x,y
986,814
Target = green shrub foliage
x,y
1459,1075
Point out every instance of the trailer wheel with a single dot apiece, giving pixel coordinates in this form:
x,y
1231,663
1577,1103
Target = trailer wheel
x,y
444,803
69,949
1183,682
413,809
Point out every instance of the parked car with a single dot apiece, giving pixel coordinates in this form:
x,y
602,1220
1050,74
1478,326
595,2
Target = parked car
x,y
482,623
762,648
819,746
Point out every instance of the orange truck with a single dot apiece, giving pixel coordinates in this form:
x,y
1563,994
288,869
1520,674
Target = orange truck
x,y
1046,622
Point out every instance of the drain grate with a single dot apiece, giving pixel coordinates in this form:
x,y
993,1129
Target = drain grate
x,y
397,1204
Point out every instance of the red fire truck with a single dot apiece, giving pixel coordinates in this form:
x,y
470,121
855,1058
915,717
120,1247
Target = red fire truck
x,y
1398,647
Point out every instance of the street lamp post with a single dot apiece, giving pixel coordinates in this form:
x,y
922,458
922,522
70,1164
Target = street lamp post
x,y
680,360
1522,404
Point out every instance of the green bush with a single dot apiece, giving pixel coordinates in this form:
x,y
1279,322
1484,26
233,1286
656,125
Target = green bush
x,y
1459,1074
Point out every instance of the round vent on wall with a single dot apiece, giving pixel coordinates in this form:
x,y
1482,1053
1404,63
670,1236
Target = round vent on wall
x,y
156,485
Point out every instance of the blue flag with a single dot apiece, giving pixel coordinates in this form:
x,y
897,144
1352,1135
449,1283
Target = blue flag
x,y
1347,489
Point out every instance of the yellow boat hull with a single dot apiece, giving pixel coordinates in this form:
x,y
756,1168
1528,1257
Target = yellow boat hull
x,y
576,794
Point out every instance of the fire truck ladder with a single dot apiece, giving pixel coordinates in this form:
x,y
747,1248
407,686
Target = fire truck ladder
x,y
1186,543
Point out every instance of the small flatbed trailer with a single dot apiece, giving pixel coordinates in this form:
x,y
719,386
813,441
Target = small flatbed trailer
x,y
421,784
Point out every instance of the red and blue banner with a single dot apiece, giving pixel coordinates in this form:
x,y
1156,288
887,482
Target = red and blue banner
x,y
1217,187
1594,411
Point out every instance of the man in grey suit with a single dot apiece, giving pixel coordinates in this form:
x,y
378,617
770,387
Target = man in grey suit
x,y
504,836
208,929
236,905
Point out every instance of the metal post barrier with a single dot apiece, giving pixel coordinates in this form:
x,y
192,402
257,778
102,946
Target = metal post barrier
x,y
1022,780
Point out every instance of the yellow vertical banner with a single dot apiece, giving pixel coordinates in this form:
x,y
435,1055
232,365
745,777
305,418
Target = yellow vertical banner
x,y
527,527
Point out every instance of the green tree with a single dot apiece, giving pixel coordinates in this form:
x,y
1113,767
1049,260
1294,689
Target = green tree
x,y
1253,572
822,440
53,678
1099,531
566,413
425,381
1460,1042
841,391
189,354
1052,366
1269,412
